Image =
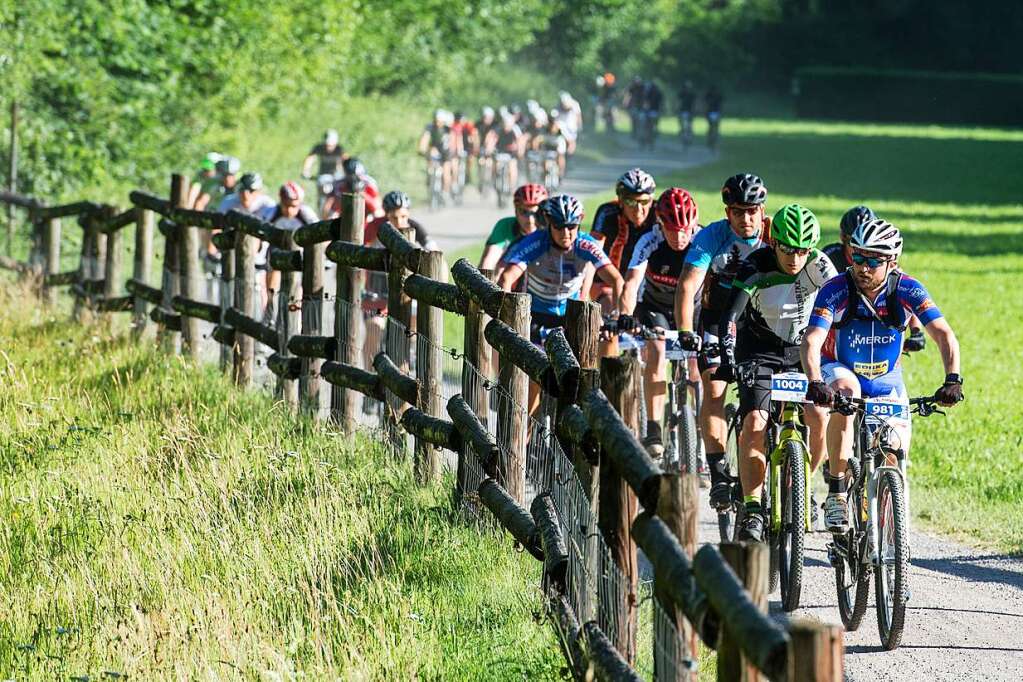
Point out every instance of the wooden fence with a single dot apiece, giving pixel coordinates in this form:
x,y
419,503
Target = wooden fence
x,y
572,484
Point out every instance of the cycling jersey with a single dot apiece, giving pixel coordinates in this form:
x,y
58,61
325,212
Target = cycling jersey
x,y
554,276
620,236
330,161
836,252
373,228
376,291
866,344
777,305
273,215
505,233
508,140
485,128
370,194
441,138
661,266
718,250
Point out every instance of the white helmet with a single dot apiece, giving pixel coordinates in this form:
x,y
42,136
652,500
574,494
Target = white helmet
x,y
532,105
565,97
487,112
877,236
331,137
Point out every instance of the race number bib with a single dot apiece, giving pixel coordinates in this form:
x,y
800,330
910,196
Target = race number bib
x,y
789,387
886,409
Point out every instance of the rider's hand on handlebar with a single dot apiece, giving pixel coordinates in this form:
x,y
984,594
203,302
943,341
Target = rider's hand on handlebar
x,y
627,323
819,393
950,393
689,341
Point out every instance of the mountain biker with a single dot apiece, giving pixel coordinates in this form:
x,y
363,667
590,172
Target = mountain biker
x,y
653,100
570,118
507,231
606,100
205,182
766,316
649,293
840,254
686,105
633,103
329,154
556,262
712,261
250,199
484,125
551,138
619,223
355,179
714,99
289,213
507,138
465,129
223,183
853,343
439,143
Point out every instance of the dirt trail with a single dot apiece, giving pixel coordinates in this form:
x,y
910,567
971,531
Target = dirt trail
x,y
963,620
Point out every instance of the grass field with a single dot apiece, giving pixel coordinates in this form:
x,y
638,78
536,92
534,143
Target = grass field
x,y
158,523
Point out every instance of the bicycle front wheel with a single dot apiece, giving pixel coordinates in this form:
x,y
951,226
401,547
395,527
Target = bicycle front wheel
x,y
689,449
891,577
793,524
852,575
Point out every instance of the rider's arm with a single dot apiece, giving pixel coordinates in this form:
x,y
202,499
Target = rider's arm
x,y
307,165
727,326
510,275
609,275
491,256
685,294
424,142
942,334
633,278
810,351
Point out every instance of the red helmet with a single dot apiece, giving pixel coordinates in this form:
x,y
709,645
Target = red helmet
x,y
292,191
530,194
676,211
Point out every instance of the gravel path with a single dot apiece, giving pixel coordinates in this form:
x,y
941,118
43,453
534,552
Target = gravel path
x,y
963,621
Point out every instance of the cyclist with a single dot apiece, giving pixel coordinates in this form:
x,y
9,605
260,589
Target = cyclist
x,y
712,261
205,182
507,138
768,309
840,254
289,213
508,231
619,223
355,179
484,125
652,101
633,103
439,143
550,138
557,262
649,293
224,182
606,100
570,117
329,154
853,343
469,140
714,100
686,104
249,199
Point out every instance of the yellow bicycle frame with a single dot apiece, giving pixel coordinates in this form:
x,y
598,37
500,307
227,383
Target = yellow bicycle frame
x,y
791,420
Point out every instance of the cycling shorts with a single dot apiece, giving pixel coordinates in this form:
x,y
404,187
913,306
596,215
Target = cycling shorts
x,y
757,396
882,386
442,155
652,316
542,323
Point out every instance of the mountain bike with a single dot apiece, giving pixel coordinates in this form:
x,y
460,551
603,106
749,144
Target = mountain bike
x,y
435,181
680,412
685,124
458,184
878,537
484,173
713,129
551,171
502,177
534,166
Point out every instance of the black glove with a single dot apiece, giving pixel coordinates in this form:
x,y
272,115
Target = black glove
x,y
689,341
951,392
627,323
916,341
819,393
725,372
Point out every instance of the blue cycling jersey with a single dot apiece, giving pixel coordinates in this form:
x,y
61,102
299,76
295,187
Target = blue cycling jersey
x,y
716,246
554,276
867,345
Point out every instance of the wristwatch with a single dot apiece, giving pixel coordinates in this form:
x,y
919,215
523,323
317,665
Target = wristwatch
x,y
953,379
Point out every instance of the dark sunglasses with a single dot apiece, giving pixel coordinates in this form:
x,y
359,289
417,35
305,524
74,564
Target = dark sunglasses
x,y
564,228
528,213
792,251
633,203
869,261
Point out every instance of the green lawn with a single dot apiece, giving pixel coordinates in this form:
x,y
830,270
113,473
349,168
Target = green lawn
x,y
160,524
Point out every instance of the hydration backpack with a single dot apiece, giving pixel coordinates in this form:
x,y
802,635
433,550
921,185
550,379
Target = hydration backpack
x,y
894,314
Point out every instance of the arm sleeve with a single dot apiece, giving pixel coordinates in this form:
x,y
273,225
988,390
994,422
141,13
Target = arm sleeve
x,y
737,300
590,252
700,251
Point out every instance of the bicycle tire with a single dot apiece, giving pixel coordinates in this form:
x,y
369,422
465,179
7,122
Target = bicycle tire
x,y
852,596
793,533
773,538
728,521
689,449
891,581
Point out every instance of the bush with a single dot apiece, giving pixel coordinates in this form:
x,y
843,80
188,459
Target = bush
x,y
918,96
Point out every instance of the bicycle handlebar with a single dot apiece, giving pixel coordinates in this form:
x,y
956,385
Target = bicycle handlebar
x,y
924,406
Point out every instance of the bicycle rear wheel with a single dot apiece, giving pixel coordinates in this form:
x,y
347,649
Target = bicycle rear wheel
x,y
793,524
852,575
891,576
728,521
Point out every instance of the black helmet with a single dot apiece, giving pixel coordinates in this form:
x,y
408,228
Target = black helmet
x,y
250,182
352,166
744,188
635,181
854,217
396,199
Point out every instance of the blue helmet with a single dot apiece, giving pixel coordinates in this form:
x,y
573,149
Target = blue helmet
x,y
562,210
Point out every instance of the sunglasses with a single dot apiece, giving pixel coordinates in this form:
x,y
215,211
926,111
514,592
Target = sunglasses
x,y
633,203
792,251
527,212
869,261
564,228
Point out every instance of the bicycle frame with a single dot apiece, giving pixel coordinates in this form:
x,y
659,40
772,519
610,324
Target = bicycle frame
x,y
880,437
790,429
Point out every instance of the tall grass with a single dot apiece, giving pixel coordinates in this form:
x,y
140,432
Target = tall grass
x,y
159,523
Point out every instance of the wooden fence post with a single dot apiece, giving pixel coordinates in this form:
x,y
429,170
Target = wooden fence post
x,y
51,248
429,368
245,298
620,378
398,343
86,268
170,338
143,266
477,356
677,506
348,310
512,426
112,282
228,286
749,560
816,651
290,312
312,324
191,272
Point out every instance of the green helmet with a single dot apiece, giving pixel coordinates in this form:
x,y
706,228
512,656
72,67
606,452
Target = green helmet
x,y
795,226
209,162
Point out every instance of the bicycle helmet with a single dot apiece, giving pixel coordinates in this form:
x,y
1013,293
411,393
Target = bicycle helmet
x,y
291,191
744,188
396,199
228,165
877,236
676,211
352,166
530,194
250,182
331,137
487,112
561,211
854,217
635,181
795,226
209,162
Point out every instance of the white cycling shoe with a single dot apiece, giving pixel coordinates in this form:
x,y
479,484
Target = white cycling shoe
x,y
836,513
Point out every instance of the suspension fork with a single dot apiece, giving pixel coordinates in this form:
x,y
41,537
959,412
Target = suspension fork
x,y
790,430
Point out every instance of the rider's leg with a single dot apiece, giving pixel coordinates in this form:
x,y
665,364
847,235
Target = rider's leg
x,y
448,168
513,174
712,416
816,418
752,458
654,387
840,445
